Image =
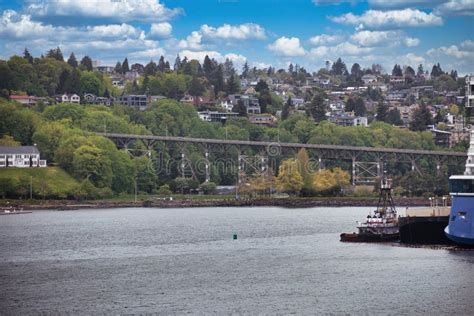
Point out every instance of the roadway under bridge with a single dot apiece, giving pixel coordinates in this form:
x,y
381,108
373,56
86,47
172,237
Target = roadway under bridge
x,y
367,162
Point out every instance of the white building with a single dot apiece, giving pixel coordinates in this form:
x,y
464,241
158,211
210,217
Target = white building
x,y
68,98
20,157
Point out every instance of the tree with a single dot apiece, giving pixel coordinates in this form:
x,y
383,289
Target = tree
x,y
146,177
245,70
27,56
118,68
306,172
208,187
125,67
264,100
56,54
409,73
90,83
218,79
74,82
72,61
317,108
397,71
356,105
7,140
161,64
233,83
382,111
356,71
261,85
240,108
177,64
436,71
164,190
208,67
420,71
394,117
289,179
330,182
285,113
86,63
91,163
339,68
421,118
151,69
195,87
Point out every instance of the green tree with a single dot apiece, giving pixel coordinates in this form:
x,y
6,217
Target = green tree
x,y
27,56
421,118
56,54
285,113
164,190
196,88
91,163
382,111
118,68
339,68
72,61
90,83
145,174
86,63
7,140
394,117
305,169
125,67
317,108
240,108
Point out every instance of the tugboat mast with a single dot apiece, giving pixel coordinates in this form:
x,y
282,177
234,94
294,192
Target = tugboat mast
x,y
386,206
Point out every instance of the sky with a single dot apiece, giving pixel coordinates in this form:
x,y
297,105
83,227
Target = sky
x,y
261,32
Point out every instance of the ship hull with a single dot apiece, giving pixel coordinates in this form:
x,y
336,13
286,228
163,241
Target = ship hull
x,y
423,230
461,222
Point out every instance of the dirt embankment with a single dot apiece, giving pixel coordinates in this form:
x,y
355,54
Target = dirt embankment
x,y
288,203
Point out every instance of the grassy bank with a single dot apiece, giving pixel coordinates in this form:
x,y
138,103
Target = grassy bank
x,y
44,182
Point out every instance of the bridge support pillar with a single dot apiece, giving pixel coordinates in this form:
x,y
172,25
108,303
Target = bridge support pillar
x,y
208,167
353,171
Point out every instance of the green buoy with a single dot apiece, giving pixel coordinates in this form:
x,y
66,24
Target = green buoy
x,y
235,236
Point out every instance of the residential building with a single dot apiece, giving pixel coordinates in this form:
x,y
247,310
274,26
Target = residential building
x,y
470,99
139,102
20,157
263,119
24,99
68,98
250,102
441,138
347,119
105,69
368,78
218,117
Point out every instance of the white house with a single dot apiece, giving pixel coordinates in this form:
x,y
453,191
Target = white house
x,y
368,78
68,98
20,157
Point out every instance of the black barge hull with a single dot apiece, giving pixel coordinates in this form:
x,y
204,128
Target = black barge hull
x,y
423,230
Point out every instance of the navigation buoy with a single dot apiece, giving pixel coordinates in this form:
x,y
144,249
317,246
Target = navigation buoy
x,y
235,236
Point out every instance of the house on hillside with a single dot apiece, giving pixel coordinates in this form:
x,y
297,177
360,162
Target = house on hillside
x,y
368,78
68,98
348,119
139,102
263,119
20,157
24,99
217,117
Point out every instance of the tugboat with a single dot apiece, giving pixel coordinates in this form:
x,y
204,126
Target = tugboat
x,y
383,224
461,221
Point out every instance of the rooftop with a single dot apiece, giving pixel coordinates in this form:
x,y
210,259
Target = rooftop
x,y
9,150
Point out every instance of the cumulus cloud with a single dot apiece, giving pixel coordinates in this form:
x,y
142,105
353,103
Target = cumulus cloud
x,y
325,39
237,59
160,30
461,51
285,46
387,19
383,38
456,7
123,10
403,3
193,41
234,32
343,49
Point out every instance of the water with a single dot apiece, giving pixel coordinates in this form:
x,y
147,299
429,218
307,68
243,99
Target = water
x,y
177,261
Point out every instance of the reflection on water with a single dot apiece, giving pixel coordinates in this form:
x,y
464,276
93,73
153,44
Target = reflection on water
x,y
185,260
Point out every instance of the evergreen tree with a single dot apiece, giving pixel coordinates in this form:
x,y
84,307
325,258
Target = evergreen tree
x,y
261,86
161,64
397,71
240,108
86,63
118,68
409,72
420,70
63,82
125,67
177,64
360,108
74,84
339,68
421,118
245,70
394,117
285,113
218,79
55,53
317,108
151,68
454,74
72,61
291,69
382,111
233,86
27,56
167,65
228,68
264,100
195,87
356,71
106,93
436,71
208,67
145,85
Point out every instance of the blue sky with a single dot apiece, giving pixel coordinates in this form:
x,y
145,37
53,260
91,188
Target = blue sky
x,y
262,32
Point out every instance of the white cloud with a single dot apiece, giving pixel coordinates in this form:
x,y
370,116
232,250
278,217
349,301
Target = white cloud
x,y
193,41
412,59
403,3
260,65
411,41
160,30
343,50
325,39
383,38
200,55
234,32
287,47
114,30
387,19
456,7
123,10
18,26
462,51
152,53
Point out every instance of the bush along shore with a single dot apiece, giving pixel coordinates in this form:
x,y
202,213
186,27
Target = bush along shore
x,y
184,203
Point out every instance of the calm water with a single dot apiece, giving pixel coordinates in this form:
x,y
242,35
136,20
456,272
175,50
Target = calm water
x,y
185,261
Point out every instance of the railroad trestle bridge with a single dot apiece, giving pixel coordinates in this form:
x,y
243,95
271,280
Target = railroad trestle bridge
x,y
367,162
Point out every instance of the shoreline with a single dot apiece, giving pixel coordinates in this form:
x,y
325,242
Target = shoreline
x,y
183,203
